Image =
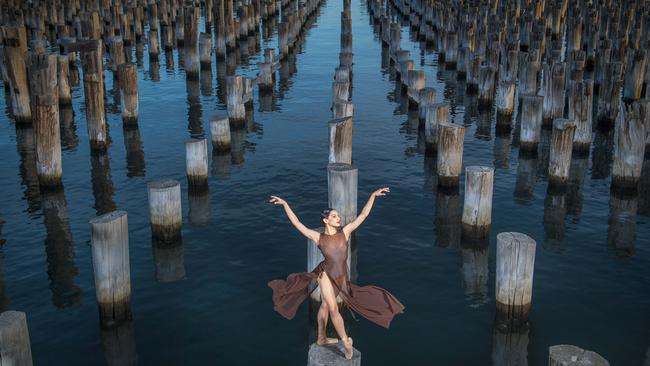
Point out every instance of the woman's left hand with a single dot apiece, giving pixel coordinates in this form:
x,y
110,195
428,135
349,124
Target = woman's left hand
x,y
381,192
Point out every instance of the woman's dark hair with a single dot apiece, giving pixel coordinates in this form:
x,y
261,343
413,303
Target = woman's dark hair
x,y
325,213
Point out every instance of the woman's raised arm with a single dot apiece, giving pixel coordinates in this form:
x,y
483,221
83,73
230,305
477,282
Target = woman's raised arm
x,y
349,228
307,232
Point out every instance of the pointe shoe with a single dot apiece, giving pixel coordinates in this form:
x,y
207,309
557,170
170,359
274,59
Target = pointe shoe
x,y
327,342
348,356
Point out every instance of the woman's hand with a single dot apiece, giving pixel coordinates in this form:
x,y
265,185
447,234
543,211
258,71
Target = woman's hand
x,y
277,200
381,192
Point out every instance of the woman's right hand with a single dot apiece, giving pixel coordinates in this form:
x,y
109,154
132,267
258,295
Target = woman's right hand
x,y
277,200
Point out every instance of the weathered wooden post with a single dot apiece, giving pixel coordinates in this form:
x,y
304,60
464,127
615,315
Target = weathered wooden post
x,y
505,98
110,251
205,50
477,208
342,182
154,45
342,109
528,74
450,154
581,94
191,40
553,91
45,117
14,64
514,277
63,72
629,145
567,355
235,100
129,94
426,98
486,84
117,54
434,115
165,212
196,159
531,123
340,140
415,83
340,91
560,153
608,93
634,75
265,76
220,132
15,347
93,76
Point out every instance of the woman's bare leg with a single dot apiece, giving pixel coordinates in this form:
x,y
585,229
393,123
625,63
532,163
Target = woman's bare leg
x,y
323,316
327,295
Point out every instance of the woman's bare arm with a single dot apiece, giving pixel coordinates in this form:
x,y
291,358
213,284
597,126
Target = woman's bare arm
x,y
307,232
349,228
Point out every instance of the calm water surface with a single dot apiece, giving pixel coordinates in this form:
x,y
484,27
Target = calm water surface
x,y
591,285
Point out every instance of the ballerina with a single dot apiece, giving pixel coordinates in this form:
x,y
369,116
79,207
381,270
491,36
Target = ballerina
x,y
372,302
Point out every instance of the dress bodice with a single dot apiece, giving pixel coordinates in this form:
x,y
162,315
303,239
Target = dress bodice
x,y
335,250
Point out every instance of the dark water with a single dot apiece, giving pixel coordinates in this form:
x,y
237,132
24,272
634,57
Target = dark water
x,y
591,284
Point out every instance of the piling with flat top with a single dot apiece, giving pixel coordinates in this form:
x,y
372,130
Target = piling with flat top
x,y
340,140
477,208
129,94
560,153
568,355
332,356
93,78
63,72
415,83
110,251
514,278
505,98
165,212
434,115
629,145
265,76
553,91
196,163
342,180
450,154
205,50
15,347
235,99
531,123
14,64
45,117
220,132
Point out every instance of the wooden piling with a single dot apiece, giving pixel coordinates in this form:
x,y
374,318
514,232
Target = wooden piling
x,y
15,347
477,208
165,212
63,72
434,115
568,355
110,252
486,85
205,50
629,145
220,132
190,41
634,75
514,278
415,83
450,154
235,100
531,123
342,109
426,98
93,78
196,164
553,91
340,140
129,94
342,182
581,94
560,153
14,64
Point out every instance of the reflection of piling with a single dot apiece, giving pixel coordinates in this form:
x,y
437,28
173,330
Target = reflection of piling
x,y
510,346
14,338
169,263
165,210
110,252
555,210
448,218
477,208
118,344
196,163
621,231
340,140
526,178
514,277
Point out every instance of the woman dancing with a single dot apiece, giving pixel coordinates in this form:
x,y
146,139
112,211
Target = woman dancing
x,y
372,302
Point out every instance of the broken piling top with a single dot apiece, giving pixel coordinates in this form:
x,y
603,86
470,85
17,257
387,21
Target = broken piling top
x,y
332,355
567,355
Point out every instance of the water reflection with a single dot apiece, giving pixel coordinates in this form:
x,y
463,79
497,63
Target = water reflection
x,y
100,175
68,129
602,154
555,210
59,248
621,232
221,163
119,345
199,204
577,173
205,80
135,166
194,113
475,272
448,215
154,69
502,148
169,261
510,347
644,188
26,144
544,150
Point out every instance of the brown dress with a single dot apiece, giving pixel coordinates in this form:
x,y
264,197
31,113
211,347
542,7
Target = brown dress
x,y
372,302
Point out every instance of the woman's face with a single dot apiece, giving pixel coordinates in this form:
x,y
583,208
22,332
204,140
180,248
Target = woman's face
x,y
333,219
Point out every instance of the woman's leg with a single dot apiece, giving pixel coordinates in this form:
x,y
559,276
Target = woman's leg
x,y
328,296
323,316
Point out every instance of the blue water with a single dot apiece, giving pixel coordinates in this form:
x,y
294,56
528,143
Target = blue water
x,y
591,281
